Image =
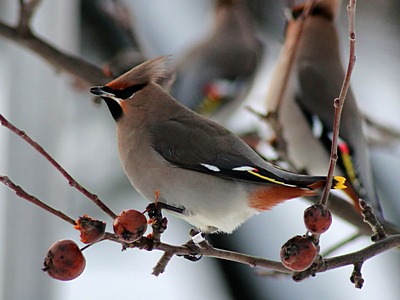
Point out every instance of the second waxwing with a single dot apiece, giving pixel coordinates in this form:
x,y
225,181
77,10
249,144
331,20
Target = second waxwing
x,y
208,175
213,75
306,111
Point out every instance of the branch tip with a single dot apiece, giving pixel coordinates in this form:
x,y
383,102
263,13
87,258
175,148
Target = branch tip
x,y
370,218
356,276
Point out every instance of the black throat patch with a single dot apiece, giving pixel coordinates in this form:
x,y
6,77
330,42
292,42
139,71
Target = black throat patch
x,y
114,107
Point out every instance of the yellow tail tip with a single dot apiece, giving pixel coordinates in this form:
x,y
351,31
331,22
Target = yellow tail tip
x,y
338,183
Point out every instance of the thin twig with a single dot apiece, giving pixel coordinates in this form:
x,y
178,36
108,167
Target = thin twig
x,y
24,195
162,263
356,276
379,232
363,254
278,86
280,79
71,64
26,11
72,182
338,103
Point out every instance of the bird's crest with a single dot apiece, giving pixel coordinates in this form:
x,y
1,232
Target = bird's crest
x,y
150,71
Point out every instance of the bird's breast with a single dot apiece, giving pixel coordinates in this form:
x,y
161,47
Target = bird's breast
x,y
210,203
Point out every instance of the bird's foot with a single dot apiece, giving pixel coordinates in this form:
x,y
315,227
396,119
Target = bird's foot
x,y
196,244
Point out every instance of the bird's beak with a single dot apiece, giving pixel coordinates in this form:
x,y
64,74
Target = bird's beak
x,y
98,91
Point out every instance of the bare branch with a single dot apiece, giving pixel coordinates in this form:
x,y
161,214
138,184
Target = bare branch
x,y
73,65
278,86
72,182
327,264
352,258
205,249
363,254
24,195
26,11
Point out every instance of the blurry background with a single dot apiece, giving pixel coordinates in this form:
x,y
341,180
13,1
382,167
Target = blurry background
x,y
54,111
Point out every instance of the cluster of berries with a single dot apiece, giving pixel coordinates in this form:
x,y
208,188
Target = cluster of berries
x,y
65,260
299,253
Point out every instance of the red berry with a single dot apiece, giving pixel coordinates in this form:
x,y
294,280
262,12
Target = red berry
x,y
317,218
91,230
130,225
298,253
64,260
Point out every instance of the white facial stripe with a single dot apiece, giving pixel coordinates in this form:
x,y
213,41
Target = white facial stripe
x,y
111,96
118,100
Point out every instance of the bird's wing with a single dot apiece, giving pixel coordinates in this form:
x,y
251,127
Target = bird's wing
x,y
190,144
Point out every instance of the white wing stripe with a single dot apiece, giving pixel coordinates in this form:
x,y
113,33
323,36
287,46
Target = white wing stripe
x,y
211,167
244,168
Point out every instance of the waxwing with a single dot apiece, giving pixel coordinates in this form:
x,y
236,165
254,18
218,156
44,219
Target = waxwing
x,y
214,75
208,175
306,109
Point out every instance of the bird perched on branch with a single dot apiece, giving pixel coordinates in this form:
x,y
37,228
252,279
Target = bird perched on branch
x,y
306,108
214,75
208,175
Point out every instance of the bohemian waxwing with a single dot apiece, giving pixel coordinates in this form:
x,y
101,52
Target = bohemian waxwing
x,y
306,110
209,175
214,75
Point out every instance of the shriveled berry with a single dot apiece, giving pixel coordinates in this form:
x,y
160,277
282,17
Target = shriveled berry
x,y
317,218
298,253
91,230
64,260
130,225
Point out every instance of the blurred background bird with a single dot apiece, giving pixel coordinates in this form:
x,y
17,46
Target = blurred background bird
x,y
306,108
110,22
214,74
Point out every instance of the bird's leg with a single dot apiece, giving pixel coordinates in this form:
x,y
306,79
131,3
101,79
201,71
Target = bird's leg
x,y
195,244
157,221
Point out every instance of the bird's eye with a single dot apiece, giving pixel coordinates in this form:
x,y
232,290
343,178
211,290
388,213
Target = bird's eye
x,y
124,93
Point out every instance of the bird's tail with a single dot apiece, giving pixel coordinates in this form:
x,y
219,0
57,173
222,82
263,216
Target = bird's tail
x,y
339,183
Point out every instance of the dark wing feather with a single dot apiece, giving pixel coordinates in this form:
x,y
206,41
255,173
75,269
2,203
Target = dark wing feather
x,y
189,144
